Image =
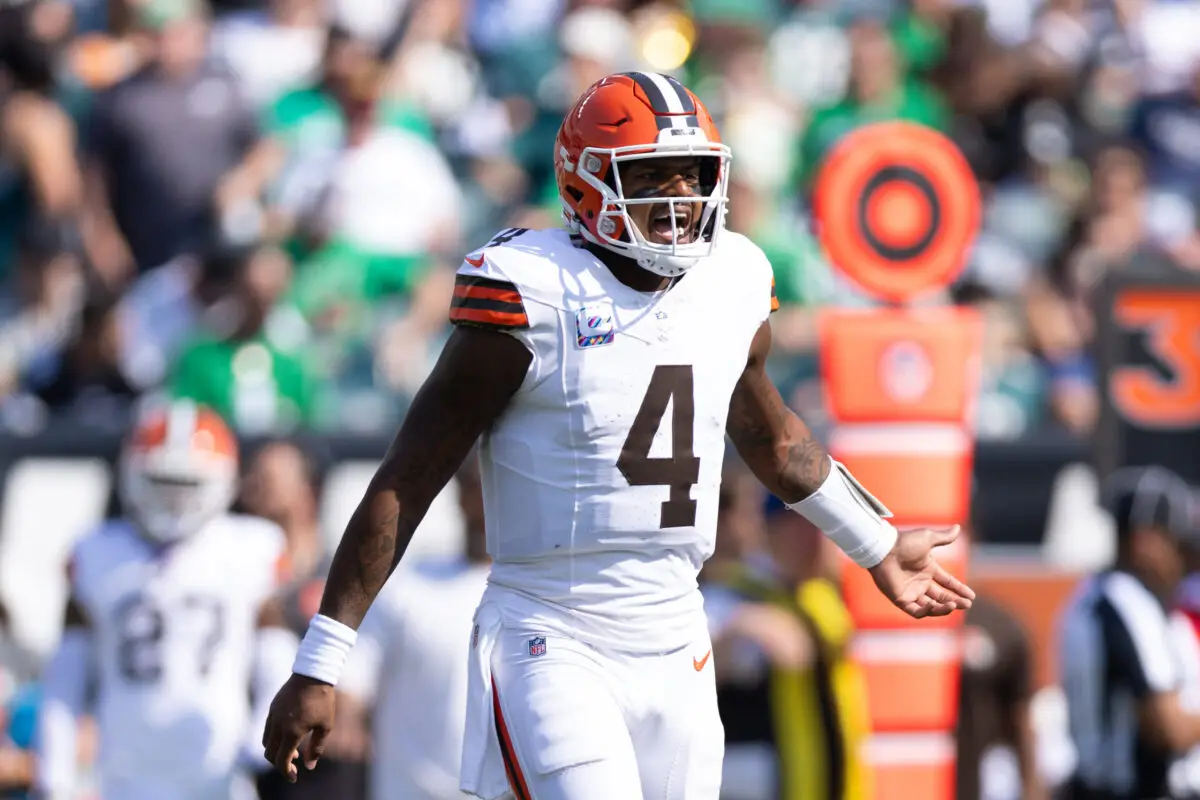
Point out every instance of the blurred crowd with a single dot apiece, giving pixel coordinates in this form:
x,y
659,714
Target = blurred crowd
x,y
257,203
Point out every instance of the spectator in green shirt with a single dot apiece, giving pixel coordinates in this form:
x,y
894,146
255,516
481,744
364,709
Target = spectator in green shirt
x,y
879,91
363,190
242,365
370,206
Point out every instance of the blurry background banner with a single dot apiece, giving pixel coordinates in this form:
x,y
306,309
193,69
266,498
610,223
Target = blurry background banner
x,y
897,209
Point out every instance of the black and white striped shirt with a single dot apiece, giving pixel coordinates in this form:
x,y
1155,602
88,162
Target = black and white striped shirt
x,y
1115,650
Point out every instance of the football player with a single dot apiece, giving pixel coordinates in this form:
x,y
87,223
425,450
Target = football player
x,y
169,624
603,364
408,664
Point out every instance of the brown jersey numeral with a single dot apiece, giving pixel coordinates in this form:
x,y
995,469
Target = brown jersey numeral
x,y
682,470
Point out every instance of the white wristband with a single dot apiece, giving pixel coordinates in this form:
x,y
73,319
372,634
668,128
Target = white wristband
x,y
324,649
850,516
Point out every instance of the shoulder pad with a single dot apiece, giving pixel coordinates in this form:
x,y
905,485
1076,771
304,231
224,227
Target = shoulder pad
x,y
495,282
487,301
753,263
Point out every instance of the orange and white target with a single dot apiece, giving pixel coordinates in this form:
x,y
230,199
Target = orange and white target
x,y
897,209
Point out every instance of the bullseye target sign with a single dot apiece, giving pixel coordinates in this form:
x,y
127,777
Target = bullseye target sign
x,y
897,209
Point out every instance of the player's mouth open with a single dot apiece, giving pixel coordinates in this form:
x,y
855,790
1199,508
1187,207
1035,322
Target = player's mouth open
x,y
665,222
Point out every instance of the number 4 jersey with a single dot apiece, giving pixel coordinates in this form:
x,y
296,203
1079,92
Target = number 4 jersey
x,y
173,632
601,479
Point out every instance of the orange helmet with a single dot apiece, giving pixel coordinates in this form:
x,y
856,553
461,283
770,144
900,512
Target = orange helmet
x,y
179,470
638,115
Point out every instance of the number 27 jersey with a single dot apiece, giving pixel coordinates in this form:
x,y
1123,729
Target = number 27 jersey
x,y
601,479
174,635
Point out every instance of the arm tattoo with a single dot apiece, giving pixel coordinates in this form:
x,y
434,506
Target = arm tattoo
x,y
467,392
774,442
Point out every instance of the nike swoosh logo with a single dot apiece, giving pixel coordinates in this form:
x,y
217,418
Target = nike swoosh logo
x,y
475,262
698,664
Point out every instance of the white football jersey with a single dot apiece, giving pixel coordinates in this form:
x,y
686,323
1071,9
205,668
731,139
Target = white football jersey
x,y
174,633
601,479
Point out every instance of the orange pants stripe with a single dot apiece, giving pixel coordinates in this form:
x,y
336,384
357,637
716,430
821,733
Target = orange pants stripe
x,y
512,768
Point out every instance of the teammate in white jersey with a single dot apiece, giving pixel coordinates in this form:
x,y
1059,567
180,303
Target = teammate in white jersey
x,y
408,664
169,625
603,366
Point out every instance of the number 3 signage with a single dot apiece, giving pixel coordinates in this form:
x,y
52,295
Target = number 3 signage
x,y
1150,363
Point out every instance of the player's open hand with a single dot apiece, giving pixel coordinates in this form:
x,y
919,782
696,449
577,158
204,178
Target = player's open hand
x,y
302,707
913,579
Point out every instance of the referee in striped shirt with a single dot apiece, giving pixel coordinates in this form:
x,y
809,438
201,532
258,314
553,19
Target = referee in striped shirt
x,y
1119,670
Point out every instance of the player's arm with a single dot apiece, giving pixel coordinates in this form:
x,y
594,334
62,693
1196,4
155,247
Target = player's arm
x,y
782,452
477,374
64,694
479,371
774,442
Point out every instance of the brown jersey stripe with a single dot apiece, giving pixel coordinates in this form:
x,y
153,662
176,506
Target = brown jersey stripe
x,y
488,318
486,304
487,293
478,281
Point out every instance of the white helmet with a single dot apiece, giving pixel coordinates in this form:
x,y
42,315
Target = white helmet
x,y
179,470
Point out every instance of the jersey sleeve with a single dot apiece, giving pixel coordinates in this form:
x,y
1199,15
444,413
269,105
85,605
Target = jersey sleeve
x,y
505,289
755,278
485,298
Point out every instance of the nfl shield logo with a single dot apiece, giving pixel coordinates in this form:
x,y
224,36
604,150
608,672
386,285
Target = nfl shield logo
x,y
475,637
537,646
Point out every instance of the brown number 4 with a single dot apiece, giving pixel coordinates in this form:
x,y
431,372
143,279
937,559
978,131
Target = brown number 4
x,y
682,470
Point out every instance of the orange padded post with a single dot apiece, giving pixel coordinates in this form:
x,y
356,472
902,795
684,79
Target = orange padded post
x,y
900,365
911,679
897,208
919,485
906,767
901,386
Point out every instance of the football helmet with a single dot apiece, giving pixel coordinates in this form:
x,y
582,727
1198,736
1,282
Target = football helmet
x,y
629,116
179,470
